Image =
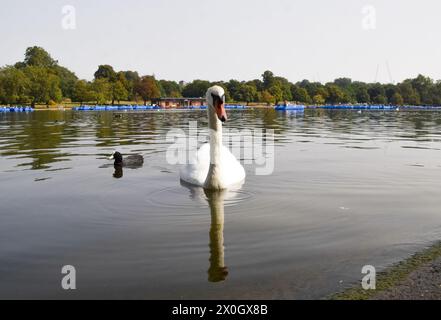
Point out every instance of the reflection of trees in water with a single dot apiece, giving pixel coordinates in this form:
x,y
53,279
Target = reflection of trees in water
x,y
39,137
420,124
408,124
392,124
42,135
114,129
281,122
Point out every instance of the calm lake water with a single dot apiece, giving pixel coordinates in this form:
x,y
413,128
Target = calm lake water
x,y
348,189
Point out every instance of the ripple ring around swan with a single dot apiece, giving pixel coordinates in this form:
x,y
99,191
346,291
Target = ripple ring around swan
x,y
180,197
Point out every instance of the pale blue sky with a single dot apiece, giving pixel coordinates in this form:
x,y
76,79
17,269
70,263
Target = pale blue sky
x,y
220,40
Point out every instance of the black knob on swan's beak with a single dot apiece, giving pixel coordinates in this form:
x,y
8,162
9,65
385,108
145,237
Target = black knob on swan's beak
x,y
223,119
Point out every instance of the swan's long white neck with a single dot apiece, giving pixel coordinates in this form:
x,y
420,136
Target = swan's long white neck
x,y
215,126
214,180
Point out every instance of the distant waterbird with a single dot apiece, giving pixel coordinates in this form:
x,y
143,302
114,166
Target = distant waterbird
x,y
131,161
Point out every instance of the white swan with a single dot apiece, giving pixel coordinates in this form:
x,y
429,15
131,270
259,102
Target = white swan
x,y
215,167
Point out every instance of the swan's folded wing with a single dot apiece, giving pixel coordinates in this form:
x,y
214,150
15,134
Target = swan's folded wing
x,y
197,170
232,170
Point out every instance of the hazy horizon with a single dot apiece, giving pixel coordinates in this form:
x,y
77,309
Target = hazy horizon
x,y
202,39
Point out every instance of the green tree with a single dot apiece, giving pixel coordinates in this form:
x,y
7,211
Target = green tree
x,y
285,87
321,91
130,80
38,57
397,99
343,83
248,93
83,92
380,99
268,98
44,85
67,78
258,84
362,96
119,92
335,94
148,89
409,94
348,88
423,86
40,79
170,89
14,86
268,79
360,91
131,76
234,88
436,93
276,92
390,90
300,94
318,99
197,88
377,93
102,90
105,72
313,88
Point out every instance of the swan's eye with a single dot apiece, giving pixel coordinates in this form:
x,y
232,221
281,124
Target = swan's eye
x,y
218,101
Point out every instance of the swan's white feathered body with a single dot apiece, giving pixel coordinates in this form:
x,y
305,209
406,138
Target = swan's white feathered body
x,y
214,166
195,173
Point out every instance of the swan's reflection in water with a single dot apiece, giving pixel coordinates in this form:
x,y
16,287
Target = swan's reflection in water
x,y
217,270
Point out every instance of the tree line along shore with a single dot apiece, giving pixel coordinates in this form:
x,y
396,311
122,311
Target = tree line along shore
x,y
40,80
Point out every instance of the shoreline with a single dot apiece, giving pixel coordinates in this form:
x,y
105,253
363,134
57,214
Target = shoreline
x,y
70,107
366,107
417,277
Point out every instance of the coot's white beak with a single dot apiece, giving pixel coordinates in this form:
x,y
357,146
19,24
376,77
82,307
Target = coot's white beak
x,y
112,157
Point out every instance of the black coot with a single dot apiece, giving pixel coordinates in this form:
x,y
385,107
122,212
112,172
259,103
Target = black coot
x,y
131,161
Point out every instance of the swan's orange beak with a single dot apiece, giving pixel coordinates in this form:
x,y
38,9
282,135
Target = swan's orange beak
x,y
221,113
219,106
